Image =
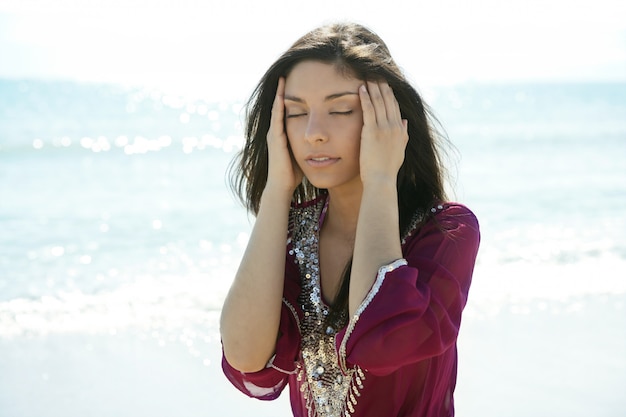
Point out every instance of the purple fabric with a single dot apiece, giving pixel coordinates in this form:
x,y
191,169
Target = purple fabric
x,y
405,339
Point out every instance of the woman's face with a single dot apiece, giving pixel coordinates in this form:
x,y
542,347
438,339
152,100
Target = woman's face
x,y
324,120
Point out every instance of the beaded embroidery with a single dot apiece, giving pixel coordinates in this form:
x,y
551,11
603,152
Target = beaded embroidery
x,y
329,390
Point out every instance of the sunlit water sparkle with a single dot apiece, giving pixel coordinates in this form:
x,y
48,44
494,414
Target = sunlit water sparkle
x,y
116,217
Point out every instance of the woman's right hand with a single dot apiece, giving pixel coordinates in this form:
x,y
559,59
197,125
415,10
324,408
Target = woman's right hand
x,y
283,172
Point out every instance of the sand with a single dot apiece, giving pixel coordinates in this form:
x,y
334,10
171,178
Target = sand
x,y
543,358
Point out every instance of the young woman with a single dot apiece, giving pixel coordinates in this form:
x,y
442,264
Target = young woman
x,y
356,273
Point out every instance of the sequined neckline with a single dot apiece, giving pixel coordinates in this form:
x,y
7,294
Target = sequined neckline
x,y
320,223
326,390
329,388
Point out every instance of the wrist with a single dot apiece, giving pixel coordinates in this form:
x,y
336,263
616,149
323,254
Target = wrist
x,y
277,192
379,181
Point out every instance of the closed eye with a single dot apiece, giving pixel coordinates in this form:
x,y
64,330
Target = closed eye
x,y
342,113
294,115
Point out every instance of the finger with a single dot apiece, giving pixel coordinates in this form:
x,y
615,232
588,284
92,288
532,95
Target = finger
x,y
391,103
377,101
369,115
278,108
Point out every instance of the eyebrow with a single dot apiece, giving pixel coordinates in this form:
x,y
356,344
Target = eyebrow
x,y
327,98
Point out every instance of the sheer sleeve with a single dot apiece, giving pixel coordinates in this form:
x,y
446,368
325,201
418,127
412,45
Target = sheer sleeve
x,y
268,383
413,311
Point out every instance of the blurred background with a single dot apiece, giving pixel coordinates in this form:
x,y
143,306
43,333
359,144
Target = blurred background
x,y
119,236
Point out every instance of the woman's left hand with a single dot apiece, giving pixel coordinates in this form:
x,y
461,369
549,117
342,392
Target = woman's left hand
x,y
384,135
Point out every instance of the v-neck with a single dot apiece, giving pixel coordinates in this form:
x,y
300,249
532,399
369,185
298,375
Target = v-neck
x,y
320,223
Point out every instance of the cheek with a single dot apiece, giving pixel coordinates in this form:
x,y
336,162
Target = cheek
x,y
356,138
294,128
289,130
291,133
294,138
355,125
353,131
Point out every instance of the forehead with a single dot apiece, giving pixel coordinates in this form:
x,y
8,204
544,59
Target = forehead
x,y
312,79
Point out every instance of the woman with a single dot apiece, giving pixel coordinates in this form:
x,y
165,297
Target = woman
x,y
359,312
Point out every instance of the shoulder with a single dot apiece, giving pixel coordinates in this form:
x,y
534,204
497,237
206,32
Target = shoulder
x,y
447,219
451,214
446,242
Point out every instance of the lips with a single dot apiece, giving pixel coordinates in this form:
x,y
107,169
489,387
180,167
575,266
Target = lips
x,y
321,160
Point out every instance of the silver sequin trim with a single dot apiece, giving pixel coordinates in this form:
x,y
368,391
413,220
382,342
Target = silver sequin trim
x,y
329,387
382,273
326,390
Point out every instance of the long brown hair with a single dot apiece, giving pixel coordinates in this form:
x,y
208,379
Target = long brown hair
x,y
358,52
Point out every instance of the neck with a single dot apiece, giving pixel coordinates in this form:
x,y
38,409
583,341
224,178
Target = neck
x,y
343,212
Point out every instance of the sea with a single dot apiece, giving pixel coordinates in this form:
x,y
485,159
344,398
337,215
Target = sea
x,y
117,223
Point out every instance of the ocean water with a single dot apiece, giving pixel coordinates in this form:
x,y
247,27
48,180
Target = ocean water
x,y
116,218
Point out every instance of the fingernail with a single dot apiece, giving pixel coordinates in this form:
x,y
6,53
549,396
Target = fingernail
x,y
363,89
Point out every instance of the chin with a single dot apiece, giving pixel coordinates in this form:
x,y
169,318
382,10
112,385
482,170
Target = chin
x,y
329,184
322,183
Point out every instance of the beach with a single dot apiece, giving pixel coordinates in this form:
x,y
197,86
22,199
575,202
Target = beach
x,y
119,238
557,359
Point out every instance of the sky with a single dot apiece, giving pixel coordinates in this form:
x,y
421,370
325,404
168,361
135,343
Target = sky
x,y
225,46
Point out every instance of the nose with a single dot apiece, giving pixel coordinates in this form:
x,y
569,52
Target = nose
x,y
315,129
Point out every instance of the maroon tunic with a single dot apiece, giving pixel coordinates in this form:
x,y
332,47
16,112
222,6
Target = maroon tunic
x,y
397,355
